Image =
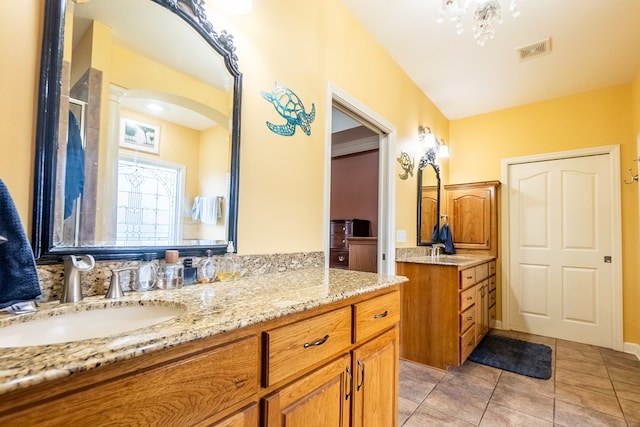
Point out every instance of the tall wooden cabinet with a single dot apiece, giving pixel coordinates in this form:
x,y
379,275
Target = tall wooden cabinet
x,y
472,213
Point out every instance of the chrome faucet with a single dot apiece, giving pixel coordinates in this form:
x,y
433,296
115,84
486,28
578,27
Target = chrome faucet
x,y
436,249
115,289
73,265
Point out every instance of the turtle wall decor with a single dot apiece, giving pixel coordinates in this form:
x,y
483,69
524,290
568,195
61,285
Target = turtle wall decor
x,y
407,164
290,107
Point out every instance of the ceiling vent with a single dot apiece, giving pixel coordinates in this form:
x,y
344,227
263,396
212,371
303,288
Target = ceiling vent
x,y
534,50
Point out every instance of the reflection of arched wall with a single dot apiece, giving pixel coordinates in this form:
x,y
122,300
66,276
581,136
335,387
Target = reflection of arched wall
x,y
136,72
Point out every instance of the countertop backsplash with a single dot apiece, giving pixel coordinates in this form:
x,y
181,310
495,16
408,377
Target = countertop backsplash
x,y
96,281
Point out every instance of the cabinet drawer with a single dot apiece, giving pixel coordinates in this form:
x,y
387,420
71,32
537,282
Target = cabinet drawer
x,y
338,259
467,344
492,297
482,271
291,348
376,315
340,227
492,268
185,392
467,318
467,277
492,283
338,241
467,298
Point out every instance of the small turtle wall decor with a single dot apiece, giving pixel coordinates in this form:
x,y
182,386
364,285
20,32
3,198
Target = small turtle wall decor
x,y
407,164
290,107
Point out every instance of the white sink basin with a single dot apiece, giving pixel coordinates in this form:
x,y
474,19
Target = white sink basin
x,y
82,325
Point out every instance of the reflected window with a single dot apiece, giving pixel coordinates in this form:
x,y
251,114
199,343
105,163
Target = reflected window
x,y
149,192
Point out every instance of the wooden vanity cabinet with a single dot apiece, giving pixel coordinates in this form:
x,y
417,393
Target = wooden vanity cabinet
x,y
445,312
357,387
334,365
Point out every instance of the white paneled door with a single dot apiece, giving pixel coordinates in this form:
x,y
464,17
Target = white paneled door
x,y
560,239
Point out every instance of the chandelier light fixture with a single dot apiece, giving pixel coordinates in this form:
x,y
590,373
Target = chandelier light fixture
x,y
487,14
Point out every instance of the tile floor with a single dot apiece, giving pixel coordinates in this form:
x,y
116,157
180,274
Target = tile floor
x,y
590,386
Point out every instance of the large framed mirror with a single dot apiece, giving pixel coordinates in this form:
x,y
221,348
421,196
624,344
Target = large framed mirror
x,y
138,131
428,215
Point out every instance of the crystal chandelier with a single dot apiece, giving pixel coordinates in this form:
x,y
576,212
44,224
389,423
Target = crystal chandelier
x,y
487,13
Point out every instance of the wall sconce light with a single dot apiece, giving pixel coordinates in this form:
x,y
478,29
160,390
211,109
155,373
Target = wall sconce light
x,y
426,137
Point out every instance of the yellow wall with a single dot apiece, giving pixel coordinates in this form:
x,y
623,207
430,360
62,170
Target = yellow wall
x,y
303,45
21,31
596,118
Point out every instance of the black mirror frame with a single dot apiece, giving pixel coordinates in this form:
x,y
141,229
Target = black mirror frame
x,y
47,125
426,160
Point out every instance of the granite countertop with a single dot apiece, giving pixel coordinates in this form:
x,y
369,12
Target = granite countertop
x,y
210,309
462,260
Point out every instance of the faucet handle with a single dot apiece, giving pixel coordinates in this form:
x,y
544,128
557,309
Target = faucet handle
x,y
115,289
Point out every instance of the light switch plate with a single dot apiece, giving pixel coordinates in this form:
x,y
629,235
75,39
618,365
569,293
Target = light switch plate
x,y
401,236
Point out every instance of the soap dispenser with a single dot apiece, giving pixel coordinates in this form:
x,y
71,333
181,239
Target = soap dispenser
x,y
227,266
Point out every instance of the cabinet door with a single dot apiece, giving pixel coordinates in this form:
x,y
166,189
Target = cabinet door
x,y
482,310
247,417
375,382
320,399
469,213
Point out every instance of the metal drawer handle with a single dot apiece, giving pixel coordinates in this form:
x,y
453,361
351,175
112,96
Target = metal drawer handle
x,y
361,375
317,343
344,241
470,318
341,258
469,277
469,298
381,315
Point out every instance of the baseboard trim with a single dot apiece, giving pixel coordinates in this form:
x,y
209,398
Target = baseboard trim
x,y
497,324
632,348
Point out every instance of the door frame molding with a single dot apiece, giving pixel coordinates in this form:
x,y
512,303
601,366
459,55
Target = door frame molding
x,y
616,223
386,178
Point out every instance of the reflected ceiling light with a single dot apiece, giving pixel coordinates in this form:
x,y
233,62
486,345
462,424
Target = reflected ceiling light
x,y
155,107
487,14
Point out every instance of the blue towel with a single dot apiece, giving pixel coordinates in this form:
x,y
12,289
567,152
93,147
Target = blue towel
x,y
74,175
447,239
435,234
18,276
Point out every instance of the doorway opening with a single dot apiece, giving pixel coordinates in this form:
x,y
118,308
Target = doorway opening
x,y
359,187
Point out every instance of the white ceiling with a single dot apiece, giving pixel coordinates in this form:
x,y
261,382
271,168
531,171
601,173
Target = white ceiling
x,y
595,44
